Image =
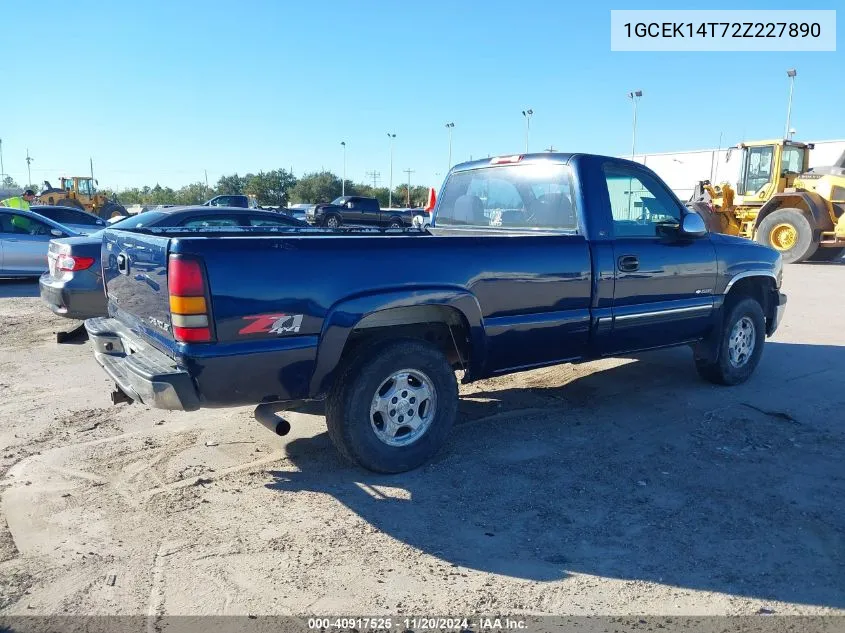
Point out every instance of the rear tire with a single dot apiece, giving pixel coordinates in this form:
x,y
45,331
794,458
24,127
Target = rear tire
x,y
827,254
742,338
70,202
111,210
366,438
789,232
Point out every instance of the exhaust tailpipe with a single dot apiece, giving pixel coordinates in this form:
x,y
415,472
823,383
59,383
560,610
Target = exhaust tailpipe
x,y
266,415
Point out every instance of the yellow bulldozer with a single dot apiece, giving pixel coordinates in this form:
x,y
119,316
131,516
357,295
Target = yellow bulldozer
x,y
779,202
80,192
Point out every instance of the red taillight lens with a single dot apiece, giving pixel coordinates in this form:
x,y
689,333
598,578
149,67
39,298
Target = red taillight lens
x,y
72,263
192,334
505,160
188,306
184,277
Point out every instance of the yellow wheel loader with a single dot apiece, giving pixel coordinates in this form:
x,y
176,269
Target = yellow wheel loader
x,y
79,192
779,202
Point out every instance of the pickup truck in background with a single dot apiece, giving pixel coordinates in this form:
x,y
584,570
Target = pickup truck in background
x,y
531,260
357,210
240,201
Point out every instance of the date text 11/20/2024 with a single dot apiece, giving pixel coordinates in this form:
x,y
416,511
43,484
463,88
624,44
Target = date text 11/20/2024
x,y
494,623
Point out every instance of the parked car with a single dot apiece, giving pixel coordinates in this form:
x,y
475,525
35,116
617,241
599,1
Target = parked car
x,y
24,237
357,210
298,211
530,261
73,285
76,219
243,202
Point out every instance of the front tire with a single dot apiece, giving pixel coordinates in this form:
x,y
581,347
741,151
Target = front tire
x,y
332,222
742,338
789,232
391,409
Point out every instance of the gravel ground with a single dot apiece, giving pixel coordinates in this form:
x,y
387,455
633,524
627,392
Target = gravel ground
x,y
616,487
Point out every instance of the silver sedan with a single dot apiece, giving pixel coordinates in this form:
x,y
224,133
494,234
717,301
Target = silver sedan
x,y
24,239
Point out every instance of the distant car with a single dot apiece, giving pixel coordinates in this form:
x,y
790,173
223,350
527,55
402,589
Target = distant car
x,y
24,239
357,210
76,219
73,285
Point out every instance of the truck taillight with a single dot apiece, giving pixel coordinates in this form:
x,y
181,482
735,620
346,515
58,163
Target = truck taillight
x,y
72,263
189,312
505,160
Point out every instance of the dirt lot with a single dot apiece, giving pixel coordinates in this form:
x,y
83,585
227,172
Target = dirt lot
x,y
616,487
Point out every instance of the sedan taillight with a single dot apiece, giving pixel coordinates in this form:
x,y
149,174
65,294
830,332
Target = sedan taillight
x,y
71,263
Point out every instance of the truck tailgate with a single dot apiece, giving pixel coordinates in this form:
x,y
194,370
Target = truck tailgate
x,y
135,277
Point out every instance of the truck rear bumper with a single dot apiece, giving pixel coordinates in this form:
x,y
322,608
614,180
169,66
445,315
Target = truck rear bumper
x,y
141,372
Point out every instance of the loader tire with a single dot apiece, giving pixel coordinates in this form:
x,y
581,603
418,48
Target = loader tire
x,y
70,202
789,232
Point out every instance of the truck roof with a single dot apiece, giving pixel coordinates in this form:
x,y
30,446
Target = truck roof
x,y
539,157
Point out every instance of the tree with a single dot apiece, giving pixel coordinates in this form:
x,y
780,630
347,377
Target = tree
x,y
230,185
321,186
271,187
9,183
419,195
195,193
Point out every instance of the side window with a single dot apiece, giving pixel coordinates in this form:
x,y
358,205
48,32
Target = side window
x,y
210,220
640,205
353,204
371,206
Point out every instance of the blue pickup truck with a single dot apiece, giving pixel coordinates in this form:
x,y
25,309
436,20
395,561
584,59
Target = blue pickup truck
x,y
530,260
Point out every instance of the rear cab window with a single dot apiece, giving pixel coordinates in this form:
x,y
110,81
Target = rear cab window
x,y
533,196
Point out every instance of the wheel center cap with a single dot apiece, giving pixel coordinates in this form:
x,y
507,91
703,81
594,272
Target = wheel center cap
x,y
402,407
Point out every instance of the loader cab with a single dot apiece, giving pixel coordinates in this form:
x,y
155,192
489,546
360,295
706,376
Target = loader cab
x,y
83,185
769,167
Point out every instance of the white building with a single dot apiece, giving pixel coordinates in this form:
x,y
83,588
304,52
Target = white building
x,y
683,170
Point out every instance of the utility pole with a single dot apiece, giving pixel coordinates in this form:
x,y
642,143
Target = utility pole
x,y
375,176
409,171
390,190
29,159
791,74
205,193
343,184
91,164
527,114
634,97
450,126
2,171
550,148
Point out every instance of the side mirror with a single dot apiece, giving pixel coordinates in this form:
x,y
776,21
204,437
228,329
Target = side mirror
x,y
56,233
693,225
418,222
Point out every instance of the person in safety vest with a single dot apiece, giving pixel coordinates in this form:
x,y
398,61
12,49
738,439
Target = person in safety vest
x,y
19,202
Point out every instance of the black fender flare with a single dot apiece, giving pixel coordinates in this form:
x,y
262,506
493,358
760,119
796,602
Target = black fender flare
x,y
346,314
813,202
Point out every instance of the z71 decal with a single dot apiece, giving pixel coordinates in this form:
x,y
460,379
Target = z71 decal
x,y
272,324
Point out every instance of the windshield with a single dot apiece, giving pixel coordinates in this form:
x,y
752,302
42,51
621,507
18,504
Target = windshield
x,y
534,196
339,201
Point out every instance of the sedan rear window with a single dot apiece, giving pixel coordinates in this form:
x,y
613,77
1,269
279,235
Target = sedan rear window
x,y
148,218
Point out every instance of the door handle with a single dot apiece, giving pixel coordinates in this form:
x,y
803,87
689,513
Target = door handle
x,y
628,263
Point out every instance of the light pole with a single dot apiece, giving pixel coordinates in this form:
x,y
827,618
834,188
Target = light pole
x,y
390,190
450,126
29,159
791,74
2,171
527,114
343,184
634,97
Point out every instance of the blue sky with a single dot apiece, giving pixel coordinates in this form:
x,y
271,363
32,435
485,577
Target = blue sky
x,y
158,91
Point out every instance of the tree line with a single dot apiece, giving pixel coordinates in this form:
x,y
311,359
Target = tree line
x,y
278,187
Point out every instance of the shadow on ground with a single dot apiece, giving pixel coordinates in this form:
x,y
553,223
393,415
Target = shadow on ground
x,y
19,287
638,472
